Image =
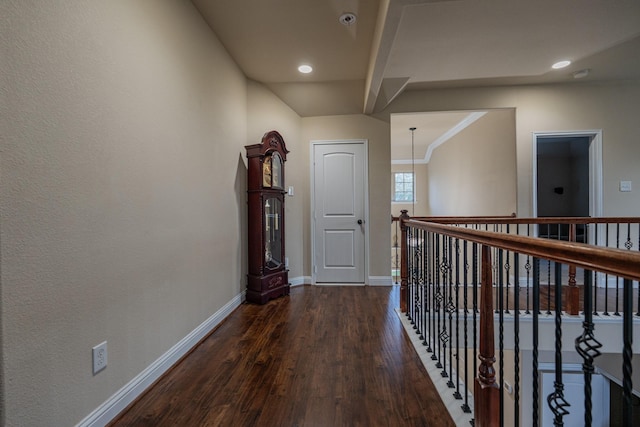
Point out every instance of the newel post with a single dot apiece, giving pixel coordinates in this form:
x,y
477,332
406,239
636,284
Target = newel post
x,y
403,261
486,390
573,293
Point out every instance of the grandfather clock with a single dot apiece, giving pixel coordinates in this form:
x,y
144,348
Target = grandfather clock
x,y
268,277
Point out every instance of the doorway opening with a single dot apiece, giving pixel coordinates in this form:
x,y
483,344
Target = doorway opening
x,y
567,177
567,173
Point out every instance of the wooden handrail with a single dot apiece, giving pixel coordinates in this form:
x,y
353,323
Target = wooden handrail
x,y
521,220
618,262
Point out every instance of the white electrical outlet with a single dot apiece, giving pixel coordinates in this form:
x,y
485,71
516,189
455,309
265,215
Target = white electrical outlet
x,y
99,357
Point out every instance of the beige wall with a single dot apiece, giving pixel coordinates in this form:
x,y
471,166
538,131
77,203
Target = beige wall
x,y
122,197
474,173
267,112
612,107
377,133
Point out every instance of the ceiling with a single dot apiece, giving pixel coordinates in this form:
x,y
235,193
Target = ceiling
x,y
401,45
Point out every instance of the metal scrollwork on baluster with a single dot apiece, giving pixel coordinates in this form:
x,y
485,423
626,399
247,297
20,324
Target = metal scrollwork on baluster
x,y
587,347
415,278
628,244
558,403
527,267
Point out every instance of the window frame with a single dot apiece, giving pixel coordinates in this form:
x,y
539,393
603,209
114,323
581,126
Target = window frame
x,y
394,198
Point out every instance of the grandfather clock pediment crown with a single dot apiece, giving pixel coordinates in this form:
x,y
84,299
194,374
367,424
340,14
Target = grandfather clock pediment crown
x,y
271,141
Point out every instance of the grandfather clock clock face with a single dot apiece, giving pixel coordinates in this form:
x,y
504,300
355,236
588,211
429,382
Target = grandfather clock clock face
x,y
267,276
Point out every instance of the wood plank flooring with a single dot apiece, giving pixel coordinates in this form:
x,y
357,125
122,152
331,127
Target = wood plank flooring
x,y
324,356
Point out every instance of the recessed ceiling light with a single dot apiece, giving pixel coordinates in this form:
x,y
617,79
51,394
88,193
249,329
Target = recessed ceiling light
x,y
561,64
305,69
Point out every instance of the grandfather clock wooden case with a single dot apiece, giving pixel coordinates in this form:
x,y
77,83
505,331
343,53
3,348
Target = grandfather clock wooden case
x,y
268,277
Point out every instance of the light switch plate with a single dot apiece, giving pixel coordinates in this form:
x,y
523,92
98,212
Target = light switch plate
x,y
625,186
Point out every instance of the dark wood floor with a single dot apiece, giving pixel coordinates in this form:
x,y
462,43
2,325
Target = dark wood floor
x,y
324,356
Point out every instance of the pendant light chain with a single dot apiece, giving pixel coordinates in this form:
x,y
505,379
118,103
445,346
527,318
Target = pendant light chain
x,y
413,173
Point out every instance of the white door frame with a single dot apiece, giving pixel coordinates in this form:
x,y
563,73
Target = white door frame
x,y
365,143
595,167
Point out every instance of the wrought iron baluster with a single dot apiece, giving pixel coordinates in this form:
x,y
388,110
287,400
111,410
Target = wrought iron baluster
x,y
507,268
638,312
516,345
595,276
437,354
556,401
527,267
475,281
617,312
549,282
588,347
457,394
434,302
501,311
536,314
407,262
410,270
627,353
450,309
430,282
465,406
426,300
606,277
417,262
446,284
423,284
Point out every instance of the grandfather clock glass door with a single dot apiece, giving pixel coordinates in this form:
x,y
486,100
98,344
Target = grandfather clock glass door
x,y
267,276
273,235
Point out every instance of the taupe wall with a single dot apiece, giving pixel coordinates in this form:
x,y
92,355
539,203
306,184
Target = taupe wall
x,y
267,112
474,173
612,107
122,197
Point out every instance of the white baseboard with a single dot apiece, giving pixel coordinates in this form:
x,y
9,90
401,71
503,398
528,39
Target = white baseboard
x,y
380,281
300,280
106,412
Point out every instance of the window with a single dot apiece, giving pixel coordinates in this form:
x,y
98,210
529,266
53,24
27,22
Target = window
x,y
403,187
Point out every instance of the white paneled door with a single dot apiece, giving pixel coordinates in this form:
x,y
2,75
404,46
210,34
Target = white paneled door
x,y
339,212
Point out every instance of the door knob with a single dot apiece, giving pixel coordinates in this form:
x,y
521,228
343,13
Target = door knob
x,y
360,221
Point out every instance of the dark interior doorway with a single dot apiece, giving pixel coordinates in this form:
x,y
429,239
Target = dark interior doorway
x,y
562,180
563,176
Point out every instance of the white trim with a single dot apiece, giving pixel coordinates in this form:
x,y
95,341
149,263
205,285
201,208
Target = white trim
x,y
409,162
338,284
365,143
595,168
380,281
300,281
109,409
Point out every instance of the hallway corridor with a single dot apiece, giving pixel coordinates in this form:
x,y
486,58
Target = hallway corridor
x,y
323,356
